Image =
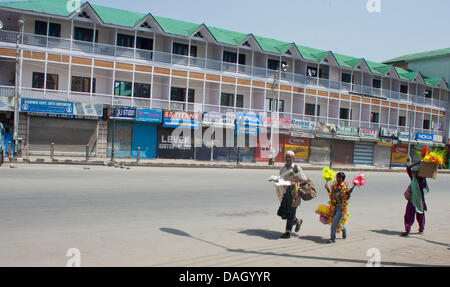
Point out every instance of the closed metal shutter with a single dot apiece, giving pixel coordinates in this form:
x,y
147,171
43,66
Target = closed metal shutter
x,y
382,156
320,151
343,152
69,136
363,153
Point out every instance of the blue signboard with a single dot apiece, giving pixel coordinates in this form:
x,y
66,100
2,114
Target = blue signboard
x,y
424,137
247,124
175,119
124,113
149,116
46,106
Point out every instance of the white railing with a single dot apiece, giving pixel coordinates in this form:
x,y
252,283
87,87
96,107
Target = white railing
x,y
168,58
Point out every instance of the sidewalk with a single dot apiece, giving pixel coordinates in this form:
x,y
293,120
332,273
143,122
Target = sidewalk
x,y
188,163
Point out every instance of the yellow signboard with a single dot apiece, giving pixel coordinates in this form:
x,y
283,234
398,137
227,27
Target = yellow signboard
x,y
399,155
301,152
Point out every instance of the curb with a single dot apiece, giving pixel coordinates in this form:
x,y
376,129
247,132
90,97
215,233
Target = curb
x,y
48,161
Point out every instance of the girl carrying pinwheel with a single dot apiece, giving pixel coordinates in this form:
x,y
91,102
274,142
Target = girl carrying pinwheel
x,y
336,213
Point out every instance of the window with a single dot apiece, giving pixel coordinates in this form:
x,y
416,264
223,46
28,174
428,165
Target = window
x,y
323,74
404,89
124,89
344,114
310,110
346,78
374,117
270,105
402,121
426,124
183,49
40,28
428,94
311,72
125,40
227,100
142,90
376,83
38,81
83,34
144,43
274,64
82,84
230,57
179,94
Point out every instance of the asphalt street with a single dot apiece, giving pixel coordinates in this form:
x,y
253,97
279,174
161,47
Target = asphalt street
x,y
203,217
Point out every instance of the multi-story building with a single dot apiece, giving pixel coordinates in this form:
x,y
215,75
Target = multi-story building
x,y
431,64
88,72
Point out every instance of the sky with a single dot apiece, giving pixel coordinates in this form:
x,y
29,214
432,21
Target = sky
x,y
397,28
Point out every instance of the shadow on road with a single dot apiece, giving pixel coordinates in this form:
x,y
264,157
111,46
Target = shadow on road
x,y
267,234
266,253
387,232
316,239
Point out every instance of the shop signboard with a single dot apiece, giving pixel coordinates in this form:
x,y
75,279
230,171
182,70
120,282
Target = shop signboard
x,y
176,119
347,131
389,133
149,116
368,133
281,123
216,119
303,125
247,124
399,155
123,113
6,104
46,106
325,128
300,147
424,137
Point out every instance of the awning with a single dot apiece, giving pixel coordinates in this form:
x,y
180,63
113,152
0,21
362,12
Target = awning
x,y
347,138
301,134
369,139
326,136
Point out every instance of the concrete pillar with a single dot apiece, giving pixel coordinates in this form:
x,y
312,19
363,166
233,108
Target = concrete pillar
x,y
102,140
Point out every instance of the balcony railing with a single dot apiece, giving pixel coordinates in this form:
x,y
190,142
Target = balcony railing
x,y
173,59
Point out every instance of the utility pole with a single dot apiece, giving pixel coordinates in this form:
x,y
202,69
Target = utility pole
x,y
17,94
276,80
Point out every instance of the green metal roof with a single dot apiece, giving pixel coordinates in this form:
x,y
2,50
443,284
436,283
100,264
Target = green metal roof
x,y
272,45
51,7
130,19
118,17
176,27
421,55
227,36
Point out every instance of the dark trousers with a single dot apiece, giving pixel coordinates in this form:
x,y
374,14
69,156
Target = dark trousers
x,y
409,218
291,220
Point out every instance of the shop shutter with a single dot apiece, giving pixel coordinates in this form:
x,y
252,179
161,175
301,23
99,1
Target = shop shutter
x,y
69,136
320,151
382,156
363,154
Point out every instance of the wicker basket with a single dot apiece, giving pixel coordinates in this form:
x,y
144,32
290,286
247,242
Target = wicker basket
x,y
428,169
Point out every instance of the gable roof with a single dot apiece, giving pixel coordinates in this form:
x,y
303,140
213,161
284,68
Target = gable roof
x,y
421,55
129,19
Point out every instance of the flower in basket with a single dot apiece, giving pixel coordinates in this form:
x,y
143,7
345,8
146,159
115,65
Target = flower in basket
x,y
359,180
328,174
425,151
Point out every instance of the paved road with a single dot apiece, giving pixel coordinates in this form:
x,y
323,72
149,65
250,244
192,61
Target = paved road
x,y
202,217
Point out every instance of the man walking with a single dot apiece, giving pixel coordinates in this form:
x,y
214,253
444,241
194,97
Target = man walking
x,y
291,198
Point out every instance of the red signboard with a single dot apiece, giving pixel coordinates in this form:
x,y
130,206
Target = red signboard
x,y
181,115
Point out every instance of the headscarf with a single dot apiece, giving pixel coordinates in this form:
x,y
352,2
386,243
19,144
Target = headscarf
x,y
416,195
